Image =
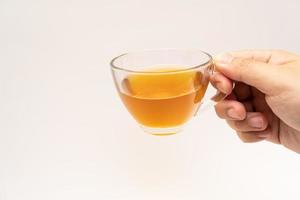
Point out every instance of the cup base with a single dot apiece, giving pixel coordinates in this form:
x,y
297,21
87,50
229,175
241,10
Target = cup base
x,y
162,131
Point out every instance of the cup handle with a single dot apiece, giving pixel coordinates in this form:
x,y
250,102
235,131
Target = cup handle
x,y
212,95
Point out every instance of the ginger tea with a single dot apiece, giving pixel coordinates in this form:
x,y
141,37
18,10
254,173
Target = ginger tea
x,y
163,99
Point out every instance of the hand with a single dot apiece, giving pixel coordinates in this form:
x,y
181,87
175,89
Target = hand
x,y
265,103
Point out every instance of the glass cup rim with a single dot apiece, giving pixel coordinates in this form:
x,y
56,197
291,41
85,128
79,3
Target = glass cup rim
x,y
194,67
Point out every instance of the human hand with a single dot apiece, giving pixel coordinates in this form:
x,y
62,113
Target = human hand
x,y
265,103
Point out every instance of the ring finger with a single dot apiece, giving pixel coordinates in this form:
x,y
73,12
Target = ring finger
x,y
254,121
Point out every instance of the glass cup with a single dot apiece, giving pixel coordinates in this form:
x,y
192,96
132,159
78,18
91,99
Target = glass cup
x,y
163,89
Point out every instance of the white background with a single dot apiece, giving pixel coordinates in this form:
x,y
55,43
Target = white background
x,y
64,133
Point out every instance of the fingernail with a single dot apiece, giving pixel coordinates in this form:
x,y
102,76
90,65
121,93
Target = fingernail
x,y
223,59
255,122
233,114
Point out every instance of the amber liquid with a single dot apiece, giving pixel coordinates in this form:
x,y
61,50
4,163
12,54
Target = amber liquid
x,y
163,100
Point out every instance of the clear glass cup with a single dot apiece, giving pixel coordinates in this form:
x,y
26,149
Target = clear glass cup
x,y
163,89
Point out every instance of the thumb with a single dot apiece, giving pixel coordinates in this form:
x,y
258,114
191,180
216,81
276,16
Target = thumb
x,y
258,74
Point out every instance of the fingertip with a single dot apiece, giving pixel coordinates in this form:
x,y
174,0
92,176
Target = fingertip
x,y
240,109
222,83
230,110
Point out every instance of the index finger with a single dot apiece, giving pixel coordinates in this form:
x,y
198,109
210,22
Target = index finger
x,y
221,82
276,57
